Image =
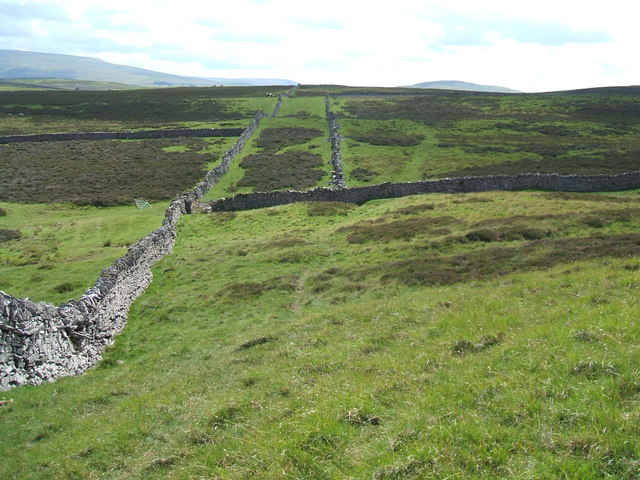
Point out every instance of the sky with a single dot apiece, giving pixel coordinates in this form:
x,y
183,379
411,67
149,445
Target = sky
x,y
532,46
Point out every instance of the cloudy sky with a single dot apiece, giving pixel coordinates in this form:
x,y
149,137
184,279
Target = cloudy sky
x,y
530,46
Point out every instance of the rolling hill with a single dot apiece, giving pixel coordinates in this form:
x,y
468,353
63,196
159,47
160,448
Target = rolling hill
x,y
457,85
22,64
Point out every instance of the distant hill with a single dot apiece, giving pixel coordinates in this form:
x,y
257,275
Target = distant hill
x,y
21,64
457,85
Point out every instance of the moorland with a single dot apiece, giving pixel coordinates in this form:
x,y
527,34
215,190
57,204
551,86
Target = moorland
x,y
485,335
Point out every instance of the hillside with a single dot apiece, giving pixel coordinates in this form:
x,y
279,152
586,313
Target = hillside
x,y
466,86
450,335
15,64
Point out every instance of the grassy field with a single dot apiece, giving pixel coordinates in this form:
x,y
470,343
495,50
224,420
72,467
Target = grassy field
x,y
312,341
477,336
61,249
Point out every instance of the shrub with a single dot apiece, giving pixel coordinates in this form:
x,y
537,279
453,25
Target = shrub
x,y
3,212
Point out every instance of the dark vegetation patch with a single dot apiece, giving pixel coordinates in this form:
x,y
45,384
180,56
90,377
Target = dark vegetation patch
x,y
588,197
463,199
286,242
514,233
273,139
295,169
559,160
7,235
255,342
387,138
594,219
398,229
225,417
150,107
543,129
3,212
492,262
593,369
248,290
463,347
363,174
413,209
101,173
432,110
355,416
327,209
64,287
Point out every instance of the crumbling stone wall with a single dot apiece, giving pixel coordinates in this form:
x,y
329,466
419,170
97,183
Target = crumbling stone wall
x,y
337,174
137,135
359,195
40,342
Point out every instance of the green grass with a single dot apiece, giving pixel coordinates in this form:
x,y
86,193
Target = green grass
x,y
270,345
63,248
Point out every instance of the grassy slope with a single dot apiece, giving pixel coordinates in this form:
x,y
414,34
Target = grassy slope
x,y
271,344
63,248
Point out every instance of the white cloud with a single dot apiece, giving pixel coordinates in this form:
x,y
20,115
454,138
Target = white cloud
x,y
548,45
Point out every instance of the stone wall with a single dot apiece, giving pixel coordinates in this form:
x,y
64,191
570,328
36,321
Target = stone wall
x,y
337,174
135,135
281,97
359,195
40,342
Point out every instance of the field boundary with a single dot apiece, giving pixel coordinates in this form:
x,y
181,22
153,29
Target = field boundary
x,y
337,174
129,135
360,195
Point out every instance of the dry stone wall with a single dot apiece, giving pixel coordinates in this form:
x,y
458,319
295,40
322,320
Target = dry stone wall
x,y
337,174
137,135
40,342
360,195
